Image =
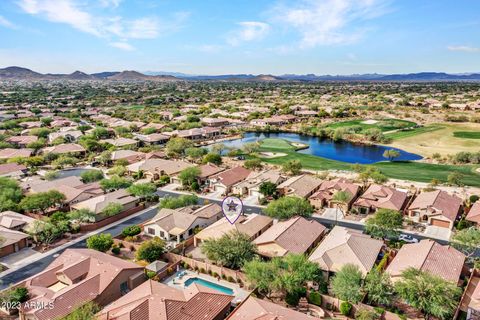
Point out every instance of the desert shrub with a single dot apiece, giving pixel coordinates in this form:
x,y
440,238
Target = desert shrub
x,y
345,308
315,298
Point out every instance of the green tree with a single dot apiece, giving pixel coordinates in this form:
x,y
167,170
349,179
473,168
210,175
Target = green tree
x,y
287,207
115,183
117,170
189,176
100,242
51,175
251,147
231,250
112,209
10,194
41,201
151,250
131,231
340,198
385,224
467,241
143,190
366,314
91,176
253,164
347,284
292,167
455,178
81,216
430,294
268,189
178,202
176,146
379,287
391,154
214,158
195,153
63,161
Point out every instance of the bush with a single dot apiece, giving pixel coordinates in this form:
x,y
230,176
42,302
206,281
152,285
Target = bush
x,y
100,242
345,308
151,250
315,298
474,198
381,265
116,250
202,270
292,298
230,279
150,274
131,231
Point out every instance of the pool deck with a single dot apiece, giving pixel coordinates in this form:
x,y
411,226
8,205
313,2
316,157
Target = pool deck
x,y
239,293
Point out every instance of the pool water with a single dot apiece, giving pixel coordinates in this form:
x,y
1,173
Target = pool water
x,y
209,284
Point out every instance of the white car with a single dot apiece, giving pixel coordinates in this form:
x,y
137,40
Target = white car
x,y
407,238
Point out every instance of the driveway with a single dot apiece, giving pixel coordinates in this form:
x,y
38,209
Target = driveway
x,y
17,258
438,233
331,213
171,187
251,200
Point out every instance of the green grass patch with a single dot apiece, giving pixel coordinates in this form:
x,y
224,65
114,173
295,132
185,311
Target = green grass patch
x,y
383,124
467,134
413,132
403,170
272,143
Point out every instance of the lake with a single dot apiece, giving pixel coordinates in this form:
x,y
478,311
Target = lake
x,y
326,148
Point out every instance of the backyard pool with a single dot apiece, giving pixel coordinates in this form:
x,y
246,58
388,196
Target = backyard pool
x,y
209,284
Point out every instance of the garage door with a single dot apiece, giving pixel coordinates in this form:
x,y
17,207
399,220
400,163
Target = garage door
x,y
440,223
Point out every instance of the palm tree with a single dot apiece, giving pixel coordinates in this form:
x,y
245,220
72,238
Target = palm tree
x,y
340,198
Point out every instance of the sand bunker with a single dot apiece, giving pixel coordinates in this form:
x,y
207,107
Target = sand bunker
x,y
272,154
478,170
369,121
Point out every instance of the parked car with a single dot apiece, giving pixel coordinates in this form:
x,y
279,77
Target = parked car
x,y
407,238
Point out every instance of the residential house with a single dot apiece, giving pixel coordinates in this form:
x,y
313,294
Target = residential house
x,y
253,225
128,155
152,139
470,303
121,142
156,126
13,241
215,122
474,214
73,188
99,203
380,197
251,185
13,170
178,225
65,149
302,186
155,168
15,221
256,309
156,301
346,246
442,261
325,194
21,141
296,235
206,171
9,153
68,136
75,278
224,181
437,208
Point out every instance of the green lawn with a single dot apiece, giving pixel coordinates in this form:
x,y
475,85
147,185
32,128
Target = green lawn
x,y
413,132
383,125
467,134
271,143
414,171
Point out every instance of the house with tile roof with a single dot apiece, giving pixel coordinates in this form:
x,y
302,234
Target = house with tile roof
x,y
295,235
21,141
206,171
152,139
121,142
128,155
325,194
13,170
12,241
178,225
14,220
253,225
224,181
302,186
436,208
346,246
68,136
470,302
251,185
155,168
380,197
474,213
9,153
76,277
257,309
156,301
99,203
64,149
443,261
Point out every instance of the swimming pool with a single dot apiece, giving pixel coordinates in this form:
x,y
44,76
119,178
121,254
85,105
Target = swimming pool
x,y
209,284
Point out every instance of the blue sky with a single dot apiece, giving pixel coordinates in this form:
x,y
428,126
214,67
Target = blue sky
x,y
241,36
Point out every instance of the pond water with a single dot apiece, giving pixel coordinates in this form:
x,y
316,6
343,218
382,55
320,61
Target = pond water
x,y
341,151
74,172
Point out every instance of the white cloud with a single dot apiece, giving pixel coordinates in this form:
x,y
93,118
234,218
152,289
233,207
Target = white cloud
x,y
463,48
329,22
122,45
114,28
6,23
248,31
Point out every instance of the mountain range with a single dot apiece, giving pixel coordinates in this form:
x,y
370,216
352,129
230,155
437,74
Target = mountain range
x,y
20,73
